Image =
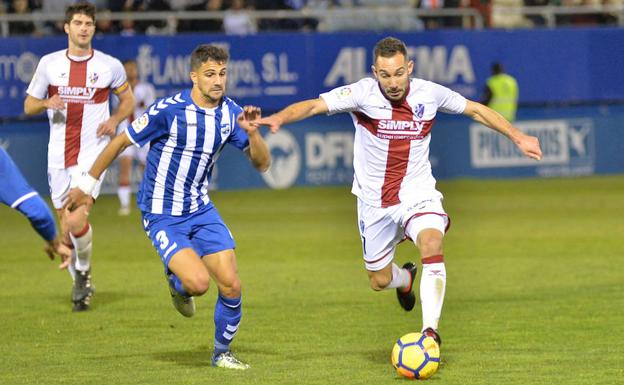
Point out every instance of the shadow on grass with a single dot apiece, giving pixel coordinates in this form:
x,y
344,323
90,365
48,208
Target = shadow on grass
x,y
198,357
101,299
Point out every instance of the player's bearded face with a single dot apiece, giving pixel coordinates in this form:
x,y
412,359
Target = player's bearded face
x,y
393,74
80,30
210,79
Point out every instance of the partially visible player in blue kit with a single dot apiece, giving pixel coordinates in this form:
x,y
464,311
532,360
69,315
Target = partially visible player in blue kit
x,y
17,193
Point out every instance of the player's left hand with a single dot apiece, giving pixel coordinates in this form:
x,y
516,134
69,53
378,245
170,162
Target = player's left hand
x,y
106,128
56,247
247,118
76,198
530,146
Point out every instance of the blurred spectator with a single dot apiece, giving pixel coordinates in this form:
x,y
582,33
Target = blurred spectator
x,y
209,25
237,21
127,28
55,7
537,20
103,23
432,22
506,14
20,7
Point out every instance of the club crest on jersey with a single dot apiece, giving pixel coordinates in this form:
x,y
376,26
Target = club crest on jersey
x,y
419,111
93,77
225,129
344,92
139,124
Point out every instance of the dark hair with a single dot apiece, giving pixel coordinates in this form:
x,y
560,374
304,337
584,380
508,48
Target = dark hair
x,y
129,61
205,52
82,8
497,68
389,47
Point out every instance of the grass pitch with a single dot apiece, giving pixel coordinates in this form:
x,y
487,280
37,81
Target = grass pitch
x,y
535,294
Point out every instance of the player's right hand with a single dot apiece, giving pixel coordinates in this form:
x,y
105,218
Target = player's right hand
x,y
76,198
54,103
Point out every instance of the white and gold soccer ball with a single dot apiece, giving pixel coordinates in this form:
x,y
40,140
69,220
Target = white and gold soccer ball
x,y
416,356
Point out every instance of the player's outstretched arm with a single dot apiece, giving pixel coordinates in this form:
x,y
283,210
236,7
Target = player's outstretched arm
x,y
81,195
258,151
529,145
294,113
34,106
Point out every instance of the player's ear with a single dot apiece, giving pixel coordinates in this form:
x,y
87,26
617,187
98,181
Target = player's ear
x,y
410,67
66,28
193,76
374,71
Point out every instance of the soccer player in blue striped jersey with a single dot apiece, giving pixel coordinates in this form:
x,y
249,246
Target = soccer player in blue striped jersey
x,y
187,132
16,193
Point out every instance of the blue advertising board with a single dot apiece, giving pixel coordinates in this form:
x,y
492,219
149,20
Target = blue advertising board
x,y
319,151
272,70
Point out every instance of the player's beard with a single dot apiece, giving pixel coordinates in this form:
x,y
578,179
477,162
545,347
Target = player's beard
x,y
394,94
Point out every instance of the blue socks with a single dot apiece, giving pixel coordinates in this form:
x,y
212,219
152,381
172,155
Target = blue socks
x,y
227,316
175,282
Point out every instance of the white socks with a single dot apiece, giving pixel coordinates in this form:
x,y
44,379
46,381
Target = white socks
x,y
124,193
400,278
82,247
432,288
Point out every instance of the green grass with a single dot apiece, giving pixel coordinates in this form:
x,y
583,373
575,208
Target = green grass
x,y
535,294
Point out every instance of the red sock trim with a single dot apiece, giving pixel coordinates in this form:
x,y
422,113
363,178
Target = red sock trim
x,y
83,231
433,259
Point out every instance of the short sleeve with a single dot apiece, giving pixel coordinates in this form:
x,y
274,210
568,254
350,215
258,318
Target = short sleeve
x,y
344,99
38,87
238,138
147,127
118,75
448,100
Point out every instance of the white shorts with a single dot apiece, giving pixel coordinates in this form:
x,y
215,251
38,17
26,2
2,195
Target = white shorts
x,y
61,180
134,152
382,229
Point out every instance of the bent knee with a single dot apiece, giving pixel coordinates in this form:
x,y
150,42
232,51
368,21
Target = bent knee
x,y
231,288
430,245
197,284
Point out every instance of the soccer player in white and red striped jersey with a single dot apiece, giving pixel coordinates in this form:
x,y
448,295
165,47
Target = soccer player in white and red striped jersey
x,y
144,96
73,85
393,116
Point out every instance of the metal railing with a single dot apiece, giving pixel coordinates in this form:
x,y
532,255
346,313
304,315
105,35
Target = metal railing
x,y
340,19
360,18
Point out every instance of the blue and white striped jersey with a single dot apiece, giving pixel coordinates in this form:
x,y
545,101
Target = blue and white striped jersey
x,y
185,142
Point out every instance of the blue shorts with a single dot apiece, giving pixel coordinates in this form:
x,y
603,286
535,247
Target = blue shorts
x,y
203,231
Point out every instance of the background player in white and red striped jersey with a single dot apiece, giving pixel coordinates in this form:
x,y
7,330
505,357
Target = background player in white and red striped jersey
x,y
393,117
73,85
144,96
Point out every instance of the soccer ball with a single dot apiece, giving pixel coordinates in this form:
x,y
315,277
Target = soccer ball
x,y
416,356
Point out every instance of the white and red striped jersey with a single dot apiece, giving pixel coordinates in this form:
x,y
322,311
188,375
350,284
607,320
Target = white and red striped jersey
x,y
84,86
391,149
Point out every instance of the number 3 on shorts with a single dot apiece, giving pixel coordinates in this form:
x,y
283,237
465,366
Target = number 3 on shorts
x,y
161,237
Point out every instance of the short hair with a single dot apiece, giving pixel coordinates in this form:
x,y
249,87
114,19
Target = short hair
x,y
129,61
206,52
388,47
82,8
497,68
